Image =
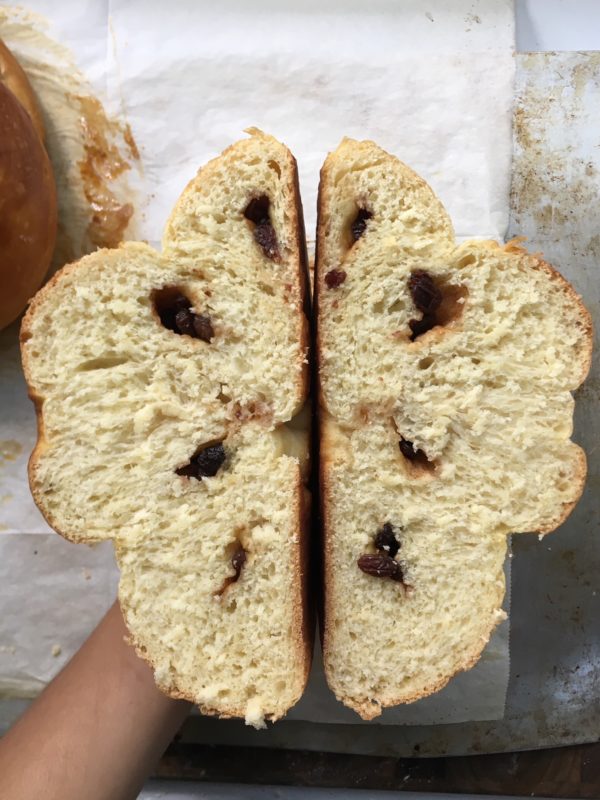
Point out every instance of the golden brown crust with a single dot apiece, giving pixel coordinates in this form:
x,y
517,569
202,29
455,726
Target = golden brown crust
x,y
14,78
325,623
303,277
319,247
28,210
303,624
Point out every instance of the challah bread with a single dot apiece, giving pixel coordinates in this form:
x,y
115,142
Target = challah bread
x,y
445,376
28,212
168,388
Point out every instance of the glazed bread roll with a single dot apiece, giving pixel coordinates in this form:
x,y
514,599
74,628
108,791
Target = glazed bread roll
x,y
446,374
169,389
13,76
28,212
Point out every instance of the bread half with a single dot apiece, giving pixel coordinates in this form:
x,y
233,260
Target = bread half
x,y
169,389
445,376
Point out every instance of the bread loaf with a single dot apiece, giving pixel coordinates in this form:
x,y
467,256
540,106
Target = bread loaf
x,y
28,215
445,376
168,388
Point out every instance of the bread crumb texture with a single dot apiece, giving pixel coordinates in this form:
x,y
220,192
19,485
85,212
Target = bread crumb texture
x,y
446,412
167,388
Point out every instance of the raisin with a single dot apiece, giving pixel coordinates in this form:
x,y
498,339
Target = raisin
x,y
180,302
420,326
205,463
425,294
267,238
415,455
184,322
175,312
386,541
188,470
203,327
359,225
335,278
408,449
168,304
427,298
257,211
210,459
380,566
238,559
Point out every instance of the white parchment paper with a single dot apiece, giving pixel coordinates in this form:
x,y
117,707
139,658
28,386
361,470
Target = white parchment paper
x,y
430,82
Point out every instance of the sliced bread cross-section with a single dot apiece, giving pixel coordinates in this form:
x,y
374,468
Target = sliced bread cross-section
x,y
445,380
169,390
